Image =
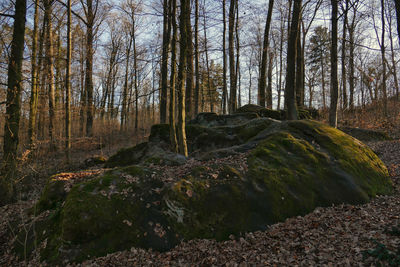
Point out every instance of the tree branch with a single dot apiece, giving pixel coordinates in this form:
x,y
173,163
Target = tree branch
x,y
7,15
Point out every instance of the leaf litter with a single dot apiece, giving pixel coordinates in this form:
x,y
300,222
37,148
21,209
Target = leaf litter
x,y
330,236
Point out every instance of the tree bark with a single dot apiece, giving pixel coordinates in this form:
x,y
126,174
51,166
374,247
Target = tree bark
x,y
269,84
181,78
33,102
384,91
50,70
334,66
263,67
397,3
290,92
89,68
344,77
190,68
68,85
232,67
224,88
13,105
196,58
172,111
164,62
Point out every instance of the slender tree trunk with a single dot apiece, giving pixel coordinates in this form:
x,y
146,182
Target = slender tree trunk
x,y
68,85
50,71
323,82
397,3
89,68
263,67
352,66
196,58
384,91
189,68
209,87
280,64
13,108
299,72
224,88
344,77
290,92
33,103
172,112
334,67
269,85
232,69
237,71
164,62
181,78
126,86
394,68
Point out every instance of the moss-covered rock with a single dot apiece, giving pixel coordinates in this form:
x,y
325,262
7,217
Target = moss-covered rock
x,y
285,168
366,135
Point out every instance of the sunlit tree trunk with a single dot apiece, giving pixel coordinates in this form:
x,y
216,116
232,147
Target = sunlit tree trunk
x,y
172,112
181,78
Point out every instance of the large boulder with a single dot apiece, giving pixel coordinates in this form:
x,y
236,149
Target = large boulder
x,y
241,176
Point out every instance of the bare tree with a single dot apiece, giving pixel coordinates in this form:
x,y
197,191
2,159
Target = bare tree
x,y
13,105
164,61
290,92
334,66
263,67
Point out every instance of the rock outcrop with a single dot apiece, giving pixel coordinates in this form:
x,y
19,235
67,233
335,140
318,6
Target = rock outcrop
x,y
245,171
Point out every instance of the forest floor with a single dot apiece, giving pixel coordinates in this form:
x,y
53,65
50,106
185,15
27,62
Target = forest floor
x,y
331,236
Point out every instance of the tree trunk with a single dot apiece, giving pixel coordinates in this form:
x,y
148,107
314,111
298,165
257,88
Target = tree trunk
x,y
269,85
13,108
164,62
89,68
209,88
397,3
68,85
181,78
344,77
394,68
299,72
33,103
237,71
232,67
352,66
224,88
263,66
172,112
384,91
50,70
196,57
290,92
334,66
189,73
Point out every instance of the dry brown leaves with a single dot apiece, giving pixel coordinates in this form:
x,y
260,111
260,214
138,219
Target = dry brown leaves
x,y
332,236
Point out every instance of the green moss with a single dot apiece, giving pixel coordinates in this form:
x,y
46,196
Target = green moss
x,y
52,195
127,156
159,132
